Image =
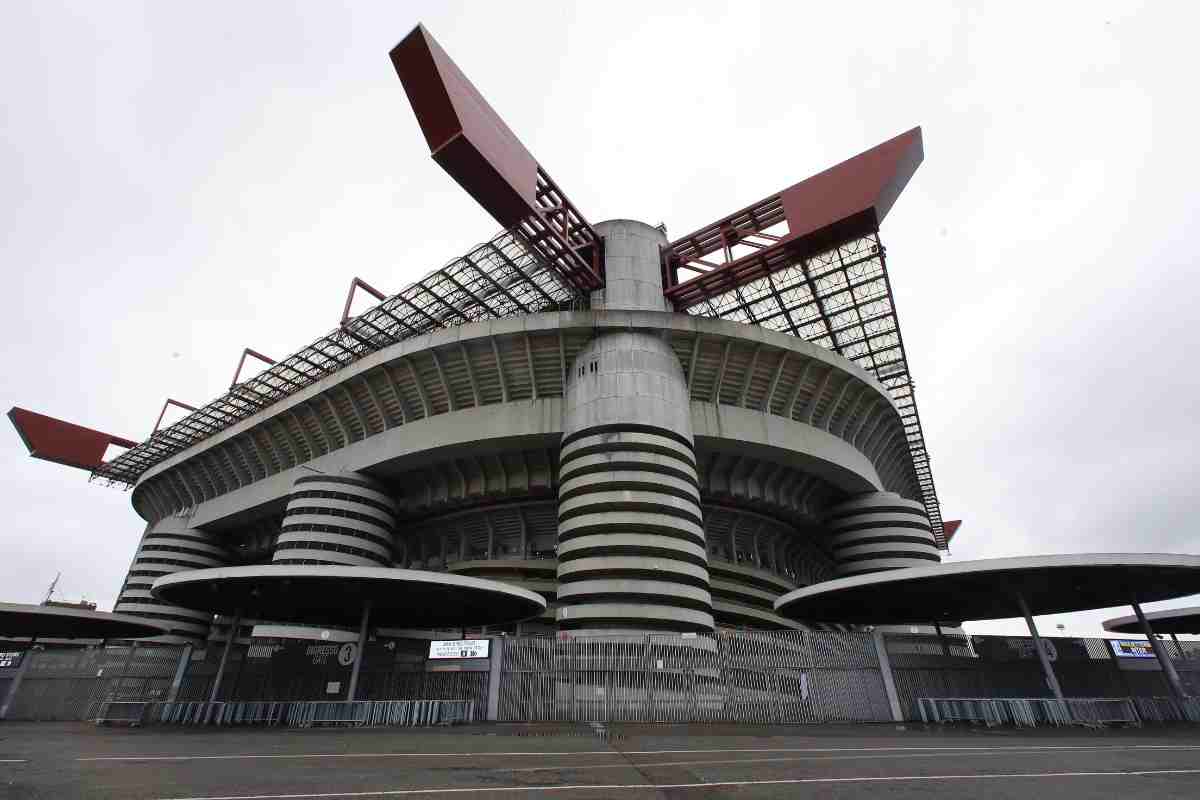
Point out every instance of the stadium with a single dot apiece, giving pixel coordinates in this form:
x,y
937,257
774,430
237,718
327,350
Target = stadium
x,y
660,436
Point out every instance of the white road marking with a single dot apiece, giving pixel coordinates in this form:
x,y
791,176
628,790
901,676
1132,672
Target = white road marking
x,y
707,785
14,760
948,748
699,763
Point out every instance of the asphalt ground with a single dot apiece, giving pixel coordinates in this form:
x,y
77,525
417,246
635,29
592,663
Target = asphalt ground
x,y
76,760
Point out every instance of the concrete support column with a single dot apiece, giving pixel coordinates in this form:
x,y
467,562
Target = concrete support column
x,y
229,640
352,691
495,667
1047,668
185,658
346,519
889,678
878,531
632,267
1160,653
631,546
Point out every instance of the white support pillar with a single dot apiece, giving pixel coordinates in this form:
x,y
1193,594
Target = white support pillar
x,y
496,651
233,632
1160,652
889,678
184,659
1047,668
352,692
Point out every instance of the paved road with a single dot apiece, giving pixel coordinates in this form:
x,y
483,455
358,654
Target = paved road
x,y
61,761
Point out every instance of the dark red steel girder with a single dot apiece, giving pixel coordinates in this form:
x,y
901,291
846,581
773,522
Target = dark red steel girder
x,y
62,442
847,200
469,140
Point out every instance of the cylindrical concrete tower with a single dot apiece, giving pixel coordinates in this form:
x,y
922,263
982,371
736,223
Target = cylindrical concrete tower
x,y
631,548
345,519
879,531
168,546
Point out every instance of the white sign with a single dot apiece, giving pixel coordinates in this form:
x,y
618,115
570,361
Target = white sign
x,y
1131,648
11,659
333,687
459,648
346,654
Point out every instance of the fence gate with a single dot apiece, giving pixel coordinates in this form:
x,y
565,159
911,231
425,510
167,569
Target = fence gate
x,y
731,676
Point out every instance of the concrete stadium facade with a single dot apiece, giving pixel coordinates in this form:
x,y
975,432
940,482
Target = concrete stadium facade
x,y
640,468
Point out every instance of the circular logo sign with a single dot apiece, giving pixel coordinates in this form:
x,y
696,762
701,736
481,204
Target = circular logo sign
x,y
346,654
325,635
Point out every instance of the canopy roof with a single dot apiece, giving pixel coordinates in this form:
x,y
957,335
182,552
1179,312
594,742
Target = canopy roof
x,y
987,589
1173,620
55,622
334,595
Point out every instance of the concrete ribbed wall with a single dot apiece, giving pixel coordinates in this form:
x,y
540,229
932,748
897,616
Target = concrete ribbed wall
x,y
346,519
880,531
170,546
631,548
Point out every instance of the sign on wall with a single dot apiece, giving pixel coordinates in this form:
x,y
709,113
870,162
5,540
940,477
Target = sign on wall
x,y
459,648
12,659
1131,648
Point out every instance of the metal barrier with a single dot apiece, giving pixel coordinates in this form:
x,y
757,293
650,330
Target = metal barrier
x,y
1103,711
293,714
128,712
1030,711
1168,709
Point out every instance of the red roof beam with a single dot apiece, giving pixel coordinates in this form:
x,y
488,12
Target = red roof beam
x,y
62,442
846,200
469,140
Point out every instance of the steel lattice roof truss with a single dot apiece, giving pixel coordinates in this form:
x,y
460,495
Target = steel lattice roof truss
x,y
501,278
839,299
806,261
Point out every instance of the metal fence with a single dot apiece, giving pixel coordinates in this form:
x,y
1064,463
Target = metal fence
x,y
70,683
1006,667
730,676
363,713
1029,711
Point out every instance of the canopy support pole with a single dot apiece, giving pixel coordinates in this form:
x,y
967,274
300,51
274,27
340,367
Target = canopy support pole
x,y
1160,652
233,632
1178,646
1047,668
937,626
358,656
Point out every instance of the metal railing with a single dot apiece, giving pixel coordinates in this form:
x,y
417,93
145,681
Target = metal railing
x,y
1168,709
291,714
1030,711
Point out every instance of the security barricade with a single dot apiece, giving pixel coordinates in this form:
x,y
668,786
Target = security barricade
x,y
297,714
1030,711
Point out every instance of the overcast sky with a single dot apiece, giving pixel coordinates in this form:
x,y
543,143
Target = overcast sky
x,y
179,181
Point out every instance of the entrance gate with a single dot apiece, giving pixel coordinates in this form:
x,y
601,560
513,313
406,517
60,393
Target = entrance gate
x,y
730,676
